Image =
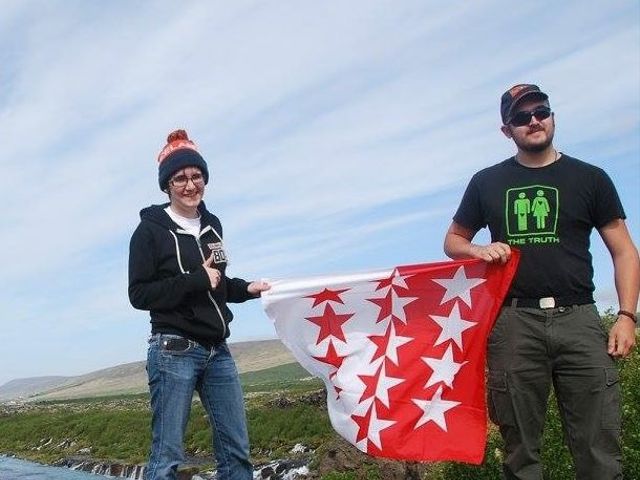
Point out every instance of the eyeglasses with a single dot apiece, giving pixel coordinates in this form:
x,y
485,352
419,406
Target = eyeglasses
x,y
523,117
181,181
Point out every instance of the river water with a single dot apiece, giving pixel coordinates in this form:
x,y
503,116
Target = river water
x,y
14,469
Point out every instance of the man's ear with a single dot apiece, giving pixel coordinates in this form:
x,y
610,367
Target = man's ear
x,y
506,129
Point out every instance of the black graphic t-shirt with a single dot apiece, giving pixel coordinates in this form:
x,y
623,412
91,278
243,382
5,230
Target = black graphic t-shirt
x,y
548,213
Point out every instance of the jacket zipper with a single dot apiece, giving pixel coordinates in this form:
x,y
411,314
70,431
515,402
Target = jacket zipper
x,y
213,300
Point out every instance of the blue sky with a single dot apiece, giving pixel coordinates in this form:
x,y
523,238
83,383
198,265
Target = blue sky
x,y
339,135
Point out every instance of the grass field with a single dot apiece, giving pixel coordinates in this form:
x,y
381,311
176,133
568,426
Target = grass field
x,y
117,427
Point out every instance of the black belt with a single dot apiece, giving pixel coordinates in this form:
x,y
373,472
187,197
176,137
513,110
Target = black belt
x,y
207,345
547,302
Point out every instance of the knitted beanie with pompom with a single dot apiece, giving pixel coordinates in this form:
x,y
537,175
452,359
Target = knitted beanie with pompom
x,y
178,153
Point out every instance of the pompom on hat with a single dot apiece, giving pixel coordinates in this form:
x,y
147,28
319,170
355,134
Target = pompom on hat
x,y
178,153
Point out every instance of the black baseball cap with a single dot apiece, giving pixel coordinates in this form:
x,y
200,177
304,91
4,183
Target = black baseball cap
x,y
516,94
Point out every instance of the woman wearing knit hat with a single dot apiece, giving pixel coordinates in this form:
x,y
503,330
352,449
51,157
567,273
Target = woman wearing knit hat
x,y
177,266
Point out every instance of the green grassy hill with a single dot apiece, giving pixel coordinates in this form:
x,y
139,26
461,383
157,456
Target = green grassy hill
x,y
290,376
131,378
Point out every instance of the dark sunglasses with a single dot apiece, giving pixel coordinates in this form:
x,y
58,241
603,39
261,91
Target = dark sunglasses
x,y
523,117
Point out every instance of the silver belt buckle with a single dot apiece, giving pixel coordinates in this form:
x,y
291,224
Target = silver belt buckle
x,y
547,302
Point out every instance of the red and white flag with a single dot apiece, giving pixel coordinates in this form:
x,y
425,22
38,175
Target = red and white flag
x,y
401,352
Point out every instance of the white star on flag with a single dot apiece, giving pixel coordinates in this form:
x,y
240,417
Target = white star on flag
x,y
459,286
452,326
376,425
444,369
383,386
398,280
397,305
395,342
434,410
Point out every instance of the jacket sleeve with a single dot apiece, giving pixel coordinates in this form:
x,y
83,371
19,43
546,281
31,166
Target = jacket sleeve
x,y
237,290
146,292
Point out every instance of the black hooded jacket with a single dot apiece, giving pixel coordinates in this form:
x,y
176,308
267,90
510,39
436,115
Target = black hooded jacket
x,y
167,278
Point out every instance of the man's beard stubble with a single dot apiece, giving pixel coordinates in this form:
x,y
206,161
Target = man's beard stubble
x,y
537,147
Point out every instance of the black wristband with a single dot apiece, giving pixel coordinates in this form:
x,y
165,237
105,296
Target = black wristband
x,y
632,316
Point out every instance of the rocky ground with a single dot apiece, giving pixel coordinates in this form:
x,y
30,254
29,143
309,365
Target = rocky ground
x,y
338,456
285,469
133,403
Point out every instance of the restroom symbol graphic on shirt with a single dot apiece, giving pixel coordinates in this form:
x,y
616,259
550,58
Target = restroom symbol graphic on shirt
x,y
531,211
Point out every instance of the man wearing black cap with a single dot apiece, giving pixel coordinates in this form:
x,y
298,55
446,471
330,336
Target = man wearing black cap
x,y
546,204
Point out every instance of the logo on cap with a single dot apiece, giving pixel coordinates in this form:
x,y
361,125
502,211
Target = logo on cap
x,y
517,89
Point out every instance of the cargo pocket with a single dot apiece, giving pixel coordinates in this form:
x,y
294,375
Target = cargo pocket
x,y
497,335
594,321
611,400
500,406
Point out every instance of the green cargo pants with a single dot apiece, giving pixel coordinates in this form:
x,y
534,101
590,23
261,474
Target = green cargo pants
x,y
528,349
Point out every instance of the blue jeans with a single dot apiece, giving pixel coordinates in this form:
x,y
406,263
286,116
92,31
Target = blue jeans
x,y
174,375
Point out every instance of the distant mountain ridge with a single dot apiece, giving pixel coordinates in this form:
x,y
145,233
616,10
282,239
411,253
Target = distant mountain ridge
x,y
25,387
131,378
